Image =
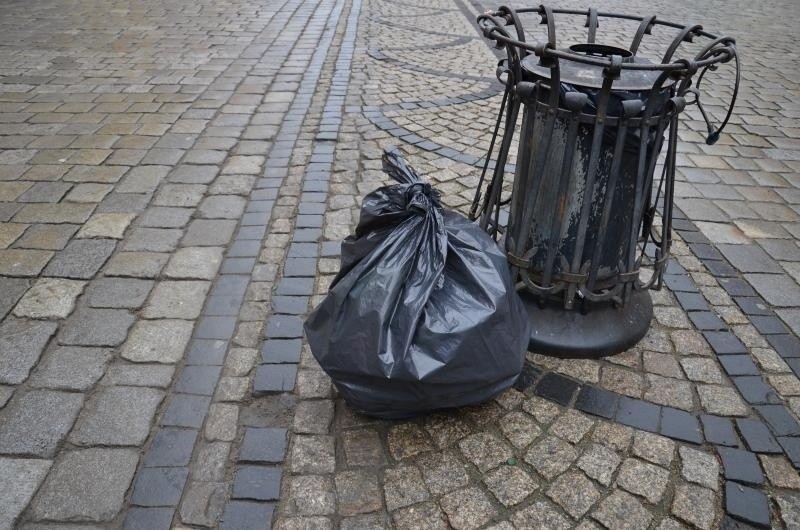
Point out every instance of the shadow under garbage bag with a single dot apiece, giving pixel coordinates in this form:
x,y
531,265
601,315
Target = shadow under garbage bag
x,y
422,315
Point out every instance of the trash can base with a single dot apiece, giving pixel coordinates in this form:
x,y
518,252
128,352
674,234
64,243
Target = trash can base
x,y
602,331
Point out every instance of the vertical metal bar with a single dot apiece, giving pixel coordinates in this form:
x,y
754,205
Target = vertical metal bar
x,y
608,202
574,105
592,23
588,191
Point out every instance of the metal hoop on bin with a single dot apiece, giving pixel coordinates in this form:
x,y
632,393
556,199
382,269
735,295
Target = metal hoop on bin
x,y
581,215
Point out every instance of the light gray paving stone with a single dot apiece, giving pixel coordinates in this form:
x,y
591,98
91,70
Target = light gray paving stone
x,y
644,479
194,263
86,485
221,422
49,298
118,415
699,467
71,368
161,341
19,480
35,422
21,345
203,503
177,299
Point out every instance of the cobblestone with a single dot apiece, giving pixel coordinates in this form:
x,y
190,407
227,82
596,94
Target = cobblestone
x,y
174,183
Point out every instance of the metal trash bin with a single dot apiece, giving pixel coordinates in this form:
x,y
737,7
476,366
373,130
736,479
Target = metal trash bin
x,y
583,213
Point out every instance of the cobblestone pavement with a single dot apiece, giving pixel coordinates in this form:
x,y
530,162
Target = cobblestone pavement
x,y
174,179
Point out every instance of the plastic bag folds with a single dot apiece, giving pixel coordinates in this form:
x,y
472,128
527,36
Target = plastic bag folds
x,y
422,315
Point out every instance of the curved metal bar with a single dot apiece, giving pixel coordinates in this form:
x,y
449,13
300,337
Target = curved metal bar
x,y
685,35
645,28
724,55
592,23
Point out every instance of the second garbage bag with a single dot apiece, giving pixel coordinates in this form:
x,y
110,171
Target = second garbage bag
x,y
422,315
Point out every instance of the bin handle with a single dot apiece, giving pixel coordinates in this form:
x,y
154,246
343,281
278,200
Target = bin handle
x,y
714,134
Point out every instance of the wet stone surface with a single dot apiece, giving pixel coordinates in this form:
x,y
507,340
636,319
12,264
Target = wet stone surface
x,y
174,185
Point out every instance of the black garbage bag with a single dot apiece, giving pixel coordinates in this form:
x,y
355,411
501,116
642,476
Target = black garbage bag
x,y
422,315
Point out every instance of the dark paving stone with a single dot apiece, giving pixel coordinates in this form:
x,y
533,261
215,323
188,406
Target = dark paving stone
x,y
757,436
749,258
680,425
696,237
680,283
230,285
171,447
35,423
245,248
302,250
736,286
307,235
639,414
275,378
556,387
21,344
148,519
740,465
215,328
198,380
252,232
159,486
794,364
738,364
755,391
720,269
118,292
290,305
691,301
97,327
262,483
729,523
719,430
263,445
186,411
724,342
238,265
768,325
703,251
780,420
295,267
207,352
753,305
284,327
239,515
80,259
597,401
281,351
748,504
791,446
296,286
11,290
786,345
527,377
331,249
706,320
223,306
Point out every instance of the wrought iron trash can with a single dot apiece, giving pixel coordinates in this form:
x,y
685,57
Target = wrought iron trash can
x,y
585,213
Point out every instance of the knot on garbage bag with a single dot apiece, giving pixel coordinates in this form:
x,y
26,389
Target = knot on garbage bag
x,y
422,196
